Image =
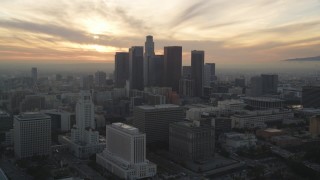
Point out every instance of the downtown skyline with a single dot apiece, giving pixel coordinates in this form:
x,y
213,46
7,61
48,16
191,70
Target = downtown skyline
x,y
229,32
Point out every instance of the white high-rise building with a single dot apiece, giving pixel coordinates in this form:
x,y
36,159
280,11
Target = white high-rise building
x,y
32,135
125,153
148,56
84,140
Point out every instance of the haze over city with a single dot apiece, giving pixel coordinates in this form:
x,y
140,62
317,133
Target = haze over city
x,y
159,90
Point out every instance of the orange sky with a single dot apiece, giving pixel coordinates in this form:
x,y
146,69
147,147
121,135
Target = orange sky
x,y
229,31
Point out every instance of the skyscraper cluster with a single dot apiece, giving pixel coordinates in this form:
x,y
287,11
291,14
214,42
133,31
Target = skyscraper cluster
x,y
141,67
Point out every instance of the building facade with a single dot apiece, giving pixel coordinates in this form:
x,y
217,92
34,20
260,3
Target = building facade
x,y
148,60
136,65
125,153
100,78
197,71
155,120
311,96
192,140
172,66
121,71
209,73
314,126
84,140
32,135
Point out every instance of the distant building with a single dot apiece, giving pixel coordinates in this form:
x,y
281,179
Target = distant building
x,y
264,102
125,153
286,141
186,87
172,66
269,133
265,84
33,103
136,65
311,96
209,73
240,82
233,141
100,78
84,140
186,72
192,140
314,126
256,86
156,71
32,135
34,74
269,83
222,125
61,120
197,71
6,123
87,82
258,119
155,120
121,72
148,65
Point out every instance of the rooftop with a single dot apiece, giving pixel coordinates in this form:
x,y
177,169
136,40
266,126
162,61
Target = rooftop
x,y
125,127
31,115
272,130
3,113
264,99
161,106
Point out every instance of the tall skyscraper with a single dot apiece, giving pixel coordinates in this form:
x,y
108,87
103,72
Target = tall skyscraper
x,y
34,74
121,72
148,60
156,71
100,78
209,73
32,135
172,66
311,96
197,71
136,67
125,153
269,83
155,120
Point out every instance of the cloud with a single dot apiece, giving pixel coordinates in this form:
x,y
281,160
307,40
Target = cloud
x,y
190,12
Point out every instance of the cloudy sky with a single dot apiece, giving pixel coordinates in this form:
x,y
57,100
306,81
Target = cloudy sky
x,y
229,31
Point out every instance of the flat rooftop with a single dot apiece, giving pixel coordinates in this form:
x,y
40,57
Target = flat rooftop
x,y
3,113
125,127
264,99
272,130
31,115
161,106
